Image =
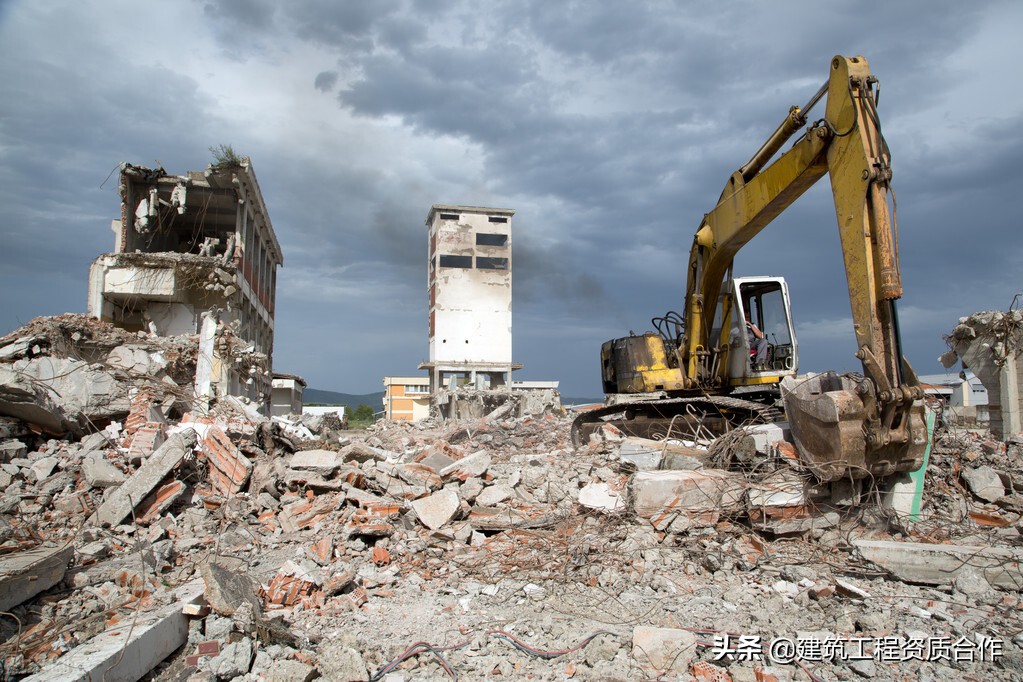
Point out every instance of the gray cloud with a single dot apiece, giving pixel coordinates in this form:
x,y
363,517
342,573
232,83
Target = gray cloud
x,y
610,128
325,81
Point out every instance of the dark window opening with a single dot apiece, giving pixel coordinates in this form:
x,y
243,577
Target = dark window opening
x,y
456,261
449,216
489,263
491,239
495,219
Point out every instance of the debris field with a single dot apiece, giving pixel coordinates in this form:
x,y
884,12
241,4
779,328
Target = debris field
x,y
142,537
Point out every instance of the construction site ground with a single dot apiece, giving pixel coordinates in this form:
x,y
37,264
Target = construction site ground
x,y
151,541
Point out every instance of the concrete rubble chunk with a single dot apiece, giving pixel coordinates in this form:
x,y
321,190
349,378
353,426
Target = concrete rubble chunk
x,y
287,670
323,462
121,501
494,494
437,509
600,496
662,649
930,564
12,449
234,660
654,492
129,649
644,455
985,483
25,574
43,467
470,466
339,661
228,586
99,473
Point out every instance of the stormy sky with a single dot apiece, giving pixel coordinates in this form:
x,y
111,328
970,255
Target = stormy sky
x,y
610,128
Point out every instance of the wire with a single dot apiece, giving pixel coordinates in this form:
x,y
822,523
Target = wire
x,y
419,647
546,654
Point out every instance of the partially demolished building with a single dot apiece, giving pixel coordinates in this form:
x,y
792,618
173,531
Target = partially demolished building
x,y
196,254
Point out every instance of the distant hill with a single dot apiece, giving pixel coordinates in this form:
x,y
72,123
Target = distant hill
x,y
315,396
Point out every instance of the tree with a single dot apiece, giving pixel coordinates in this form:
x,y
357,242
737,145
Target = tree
x,y
362,413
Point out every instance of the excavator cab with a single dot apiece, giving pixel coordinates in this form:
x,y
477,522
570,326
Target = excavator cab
x,y
764,301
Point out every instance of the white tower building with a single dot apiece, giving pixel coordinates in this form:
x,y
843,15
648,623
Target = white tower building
x,y
470,285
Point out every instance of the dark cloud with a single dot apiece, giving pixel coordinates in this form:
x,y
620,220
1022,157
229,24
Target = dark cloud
x,y
325,81
611,128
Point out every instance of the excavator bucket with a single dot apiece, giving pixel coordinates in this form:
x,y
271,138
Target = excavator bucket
x,y
828,418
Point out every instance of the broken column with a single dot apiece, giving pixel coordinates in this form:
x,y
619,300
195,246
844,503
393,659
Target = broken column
x,y
990,343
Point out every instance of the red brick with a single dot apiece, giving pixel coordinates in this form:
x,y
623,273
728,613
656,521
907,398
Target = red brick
x,y
229,469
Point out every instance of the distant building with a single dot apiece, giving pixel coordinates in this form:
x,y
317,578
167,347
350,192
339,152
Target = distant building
x,y
470,290
189,248
406,398
286,396
964,396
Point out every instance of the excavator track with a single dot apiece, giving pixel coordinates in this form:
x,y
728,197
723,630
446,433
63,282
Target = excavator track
x,y
676,417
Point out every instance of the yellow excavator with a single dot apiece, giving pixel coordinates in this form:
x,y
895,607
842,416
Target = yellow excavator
x,y
731,357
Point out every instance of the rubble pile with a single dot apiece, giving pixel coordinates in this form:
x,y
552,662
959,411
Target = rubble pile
x,y
170,544
466,402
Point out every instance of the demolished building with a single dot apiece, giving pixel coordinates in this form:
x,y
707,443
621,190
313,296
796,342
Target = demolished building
x,y
190,248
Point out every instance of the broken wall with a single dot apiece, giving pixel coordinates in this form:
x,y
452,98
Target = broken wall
x,y
991,344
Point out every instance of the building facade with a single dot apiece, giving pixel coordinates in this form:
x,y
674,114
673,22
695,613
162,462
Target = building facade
x,y
406,398
469,281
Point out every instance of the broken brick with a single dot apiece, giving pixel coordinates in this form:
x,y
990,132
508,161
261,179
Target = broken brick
x,y
229,469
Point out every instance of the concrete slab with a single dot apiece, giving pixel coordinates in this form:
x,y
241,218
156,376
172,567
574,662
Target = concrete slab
x,y
437,509
494,494
468,467
26,574
130,649
323,462
656,492
599,496
120,502
918,562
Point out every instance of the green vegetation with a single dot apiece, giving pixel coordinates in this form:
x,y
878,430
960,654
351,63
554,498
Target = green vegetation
x,y
224,156
361,417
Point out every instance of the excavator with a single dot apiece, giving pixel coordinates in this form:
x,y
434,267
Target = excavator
x,y
730,358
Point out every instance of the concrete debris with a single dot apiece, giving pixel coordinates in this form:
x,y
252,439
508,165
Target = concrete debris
x,y
305,552
123,499
932,564
985,483
25,574
600,496
659,650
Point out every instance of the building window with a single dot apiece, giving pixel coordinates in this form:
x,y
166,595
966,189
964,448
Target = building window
x,y
496,219
416,389
489,263
449,216
491,239
456,261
